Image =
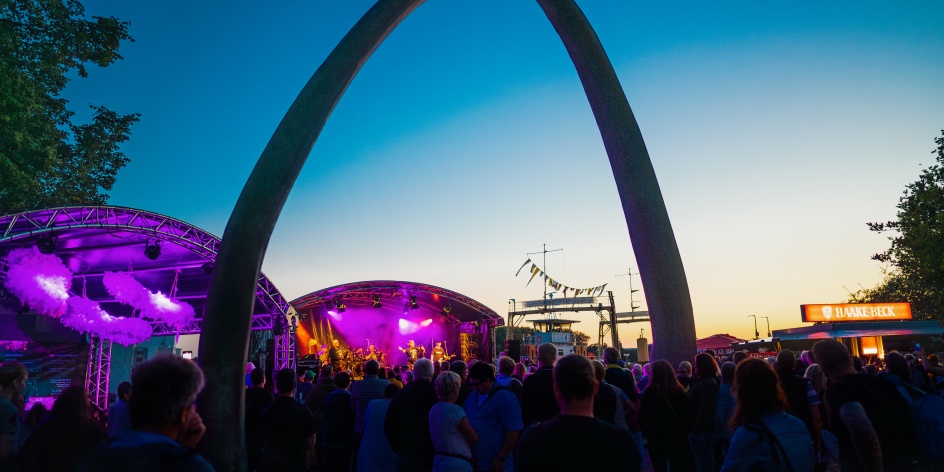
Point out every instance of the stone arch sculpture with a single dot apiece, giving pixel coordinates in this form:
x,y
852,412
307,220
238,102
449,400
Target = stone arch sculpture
x,y
224,343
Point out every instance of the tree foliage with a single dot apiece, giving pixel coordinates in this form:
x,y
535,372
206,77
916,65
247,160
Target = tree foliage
x,y
916,254
46,159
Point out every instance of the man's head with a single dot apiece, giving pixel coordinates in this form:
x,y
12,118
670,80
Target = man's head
x,y
250,367
506,365
164,391
327,372
599,370
833,356
423,369
390,391
371,367
411,343
610,355
685,369
547,354
786,360
285,382
407,376
739,356
482,376
342,380
439,344
574,379
257,378
336,343
309,375
124,391
460,368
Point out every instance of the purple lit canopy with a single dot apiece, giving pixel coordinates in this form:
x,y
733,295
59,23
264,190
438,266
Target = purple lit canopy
x,y
94,240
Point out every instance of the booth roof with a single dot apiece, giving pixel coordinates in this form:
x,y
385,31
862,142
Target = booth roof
x,y
855,329
717,341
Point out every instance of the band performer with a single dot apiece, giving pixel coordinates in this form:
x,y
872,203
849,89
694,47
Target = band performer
x,y
439,354
412,353
336,355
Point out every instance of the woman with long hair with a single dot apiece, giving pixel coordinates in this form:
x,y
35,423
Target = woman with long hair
x,y
665,417
765,436
67,434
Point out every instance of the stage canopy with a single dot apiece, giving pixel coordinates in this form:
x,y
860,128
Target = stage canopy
x,y
388,313
162,253
717,341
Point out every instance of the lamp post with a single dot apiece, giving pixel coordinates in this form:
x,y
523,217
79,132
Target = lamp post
x,y
756,333
768,325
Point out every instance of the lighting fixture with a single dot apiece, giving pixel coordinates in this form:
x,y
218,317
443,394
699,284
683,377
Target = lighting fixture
x,y
446,310
207,267
47,243
376,303
413,304
152,250
340,305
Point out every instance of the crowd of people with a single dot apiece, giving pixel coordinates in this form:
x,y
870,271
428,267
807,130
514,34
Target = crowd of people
x,y
821,410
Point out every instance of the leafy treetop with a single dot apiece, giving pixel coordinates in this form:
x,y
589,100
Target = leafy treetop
x,y
915,255
46,159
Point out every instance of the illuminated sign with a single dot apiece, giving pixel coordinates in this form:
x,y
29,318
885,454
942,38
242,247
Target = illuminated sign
x,y
839,312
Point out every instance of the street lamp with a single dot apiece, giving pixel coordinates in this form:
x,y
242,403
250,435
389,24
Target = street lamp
x,y
756,333
768,325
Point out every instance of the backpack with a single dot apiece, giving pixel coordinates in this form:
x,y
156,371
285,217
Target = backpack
x,y
927,413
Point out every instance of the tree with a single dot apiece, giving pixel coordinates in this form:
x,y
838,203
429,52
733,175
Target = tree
x,y
915,255
46,159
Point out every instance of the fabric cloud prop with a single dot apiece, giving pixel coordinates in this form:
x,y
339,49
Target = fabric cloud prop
x,y
39,280
87,316
154,306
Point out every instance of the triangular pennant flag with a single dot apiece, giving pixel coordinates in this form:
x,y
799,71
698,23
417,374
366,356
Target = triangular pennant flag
x,y
533,273
522,266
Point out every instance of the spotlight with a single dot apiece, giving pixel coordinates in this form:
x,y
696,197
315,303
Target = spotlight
x,y
152,251
47,243
446,310
376,303
207,266
413,304
340,305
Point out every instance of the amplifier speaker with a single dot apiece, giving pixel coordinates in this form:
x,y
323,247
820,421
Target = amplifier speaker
x,y
513,349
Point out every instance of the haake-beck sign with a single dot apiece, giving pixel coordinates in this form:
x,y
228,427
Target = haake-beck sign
x,y
839,312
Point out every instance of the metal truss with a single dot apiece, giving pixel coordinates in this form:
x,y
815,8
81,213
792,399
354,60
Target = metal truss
x,y
362,293
196,240
99,368
285,350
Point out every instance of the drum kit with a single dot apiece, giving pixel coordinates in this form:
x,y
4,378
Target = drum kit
x,y
355,359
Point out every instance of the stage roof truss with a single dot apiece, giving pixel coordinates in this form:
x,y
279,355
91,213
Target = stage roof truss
x,y
396,294
83,220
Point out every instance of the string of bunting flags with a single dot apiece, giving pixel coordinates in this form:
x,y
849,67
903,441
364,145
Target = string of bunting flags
x,y
537,272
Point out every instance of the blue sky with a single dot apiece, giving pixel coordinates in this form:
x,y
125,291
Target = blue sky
x,y
776,132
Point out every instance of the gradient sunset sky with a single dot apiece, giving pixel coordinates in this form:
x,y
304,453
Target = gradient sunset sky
x,y
466,142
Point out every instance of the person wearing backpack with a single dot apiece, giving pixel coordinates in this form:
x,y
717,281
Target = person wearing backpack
x,y
869,417
767,437
927,412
